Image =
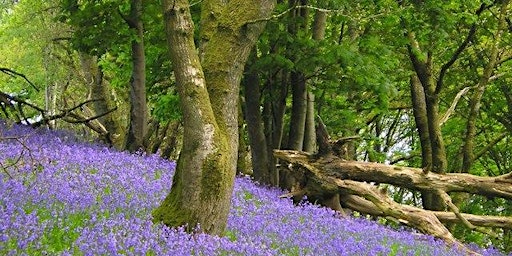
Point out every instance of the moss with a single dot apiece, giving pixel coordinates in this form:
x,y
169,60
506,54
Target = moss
x,y
170,211
216,172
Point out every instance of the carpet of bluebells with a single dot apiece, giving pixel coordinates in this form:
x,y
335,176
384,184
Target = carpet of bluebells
x,y
62,196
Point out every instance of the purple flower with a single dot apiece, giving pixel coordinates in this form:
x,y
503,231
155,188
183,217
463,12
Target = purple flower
x,y
71,197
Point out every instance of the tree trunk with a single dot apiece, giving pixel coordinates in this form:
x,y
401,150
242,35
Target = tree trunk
x,y
309,129
297,22
319,25
203,182
138,107
324,175
100,92
421,120
419,108
243,165
475,102
299,110
274,107
423,70
257,139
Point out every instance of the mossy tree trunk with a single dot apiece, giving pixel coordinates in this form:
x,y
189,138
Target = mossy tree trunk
x,y
475,101
208,85
100,91
423,67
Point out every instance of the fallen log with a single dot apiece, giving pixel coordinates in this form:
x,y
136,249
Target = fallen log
x,y
328,175
364,206
407,177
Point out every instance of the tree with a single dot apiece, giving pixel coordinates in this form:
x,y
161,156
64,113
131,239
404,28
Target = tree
x,y
138,105
430,80
208,84
261,159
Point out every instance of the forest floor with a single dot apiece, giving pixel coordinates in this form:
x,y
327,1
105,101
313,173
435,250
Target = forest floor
x,y
60,195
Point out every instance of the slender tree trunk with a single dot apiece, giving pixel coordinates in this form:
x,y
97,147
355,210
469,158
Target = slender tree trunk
x,y
100,91
299,110
419,107
138,106
420,116
475,102
298,21
257,139
423,70
274,106
319,25
309,129
243,165
203,182
51,102
275,110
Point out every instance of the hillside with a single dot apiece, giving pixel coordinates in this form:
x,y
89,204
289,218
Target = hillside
x,y
59,195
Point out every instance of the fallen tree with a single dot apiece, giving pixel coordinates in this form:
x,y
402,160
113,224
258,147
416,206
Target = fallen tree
x,y
74,115
325,176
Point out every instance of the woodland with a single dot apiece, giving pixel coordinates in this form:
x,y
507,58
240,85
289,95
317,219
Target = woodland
x,y
395,110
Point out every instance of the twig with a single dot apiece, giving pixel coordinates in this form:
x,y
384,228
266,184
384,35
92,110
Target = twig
x,y
24,149
14,73
454,104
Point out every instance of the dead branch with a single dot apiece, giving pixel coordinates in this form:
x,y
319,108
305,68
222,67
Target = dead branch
x,y
69,115
454,104
407,177
13,73
364,206
324,175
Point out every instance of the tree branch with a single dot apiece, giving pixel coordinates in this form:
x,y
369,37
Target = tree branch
x,y
407,177
14,74
454,104
458,51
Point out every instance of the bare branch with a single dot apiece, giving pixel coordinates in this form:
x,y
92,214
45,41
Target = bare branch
x,y
454,104
490,145
14,73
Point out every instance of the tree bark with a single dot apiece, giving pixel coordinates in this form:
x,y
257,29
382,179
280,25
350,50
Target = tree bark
x,y
318,31
203,182
439,163
421,120
309,129
419,108
324,175
138,106
298,21
258,142
299,111
100,92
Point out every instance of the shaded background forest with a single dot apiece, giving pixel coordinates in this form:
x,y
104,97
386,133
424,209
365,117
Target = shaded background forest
x,y
414,83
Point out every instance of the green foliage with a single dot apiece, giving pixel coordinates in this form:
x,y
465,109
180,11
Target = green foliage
x,y
98,25
31,39
167,107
